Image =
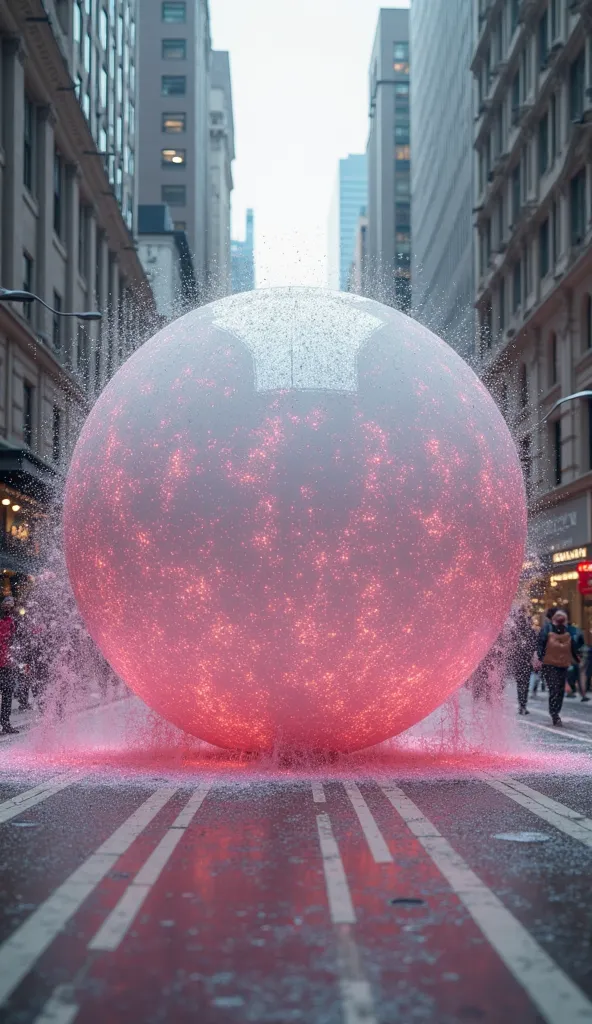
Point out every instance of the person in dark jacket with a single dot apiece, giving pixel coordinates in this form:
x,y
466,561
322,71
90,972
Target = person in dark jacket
x,y
556,651
522,646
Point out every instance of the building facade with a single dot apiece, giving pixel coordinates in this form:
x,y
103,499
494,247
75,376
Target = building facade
x,y
389,162
174,118
357,273
349,198
442,169
243,258
66,214
533,220
167,261
221,184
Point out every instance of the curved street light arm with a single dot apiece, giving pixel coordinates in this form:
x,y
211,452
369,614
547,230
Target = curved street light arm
x,y
568,398
15,295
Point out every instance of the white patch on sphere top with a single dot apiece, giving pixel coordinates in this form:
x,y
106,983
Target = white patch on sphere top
x,y
299,338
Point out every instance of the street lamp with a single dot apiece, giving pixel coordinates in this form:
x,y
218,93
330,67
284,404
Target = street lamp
x,y
561,401
15,295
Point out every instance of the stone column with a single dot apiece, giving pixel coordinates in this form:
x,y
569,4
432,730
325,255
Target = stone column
x,y
103,306
72,232
87,374
46,121
113,338
13,117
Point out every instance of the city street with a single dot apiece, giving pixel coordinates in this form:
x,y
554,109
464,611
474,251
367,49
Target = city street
x,y
227,891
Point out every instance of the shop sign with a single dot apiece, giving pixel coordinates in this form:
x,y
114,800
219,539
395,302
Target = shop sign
x,y
573,555
562,528
585,578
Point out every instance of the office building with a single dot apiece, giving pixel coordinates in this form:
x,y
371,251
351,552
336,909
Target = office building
x,y
533,135
174,118
389,162
442,169
349,198
221,184
243,258
357,271
67,210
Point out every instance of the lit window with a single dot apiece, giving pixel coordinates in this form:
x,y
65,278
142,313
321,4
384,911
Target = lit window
x,y
173,156
173,195
173,123
179,225
174,49
173,12
173,85
402,152
401,58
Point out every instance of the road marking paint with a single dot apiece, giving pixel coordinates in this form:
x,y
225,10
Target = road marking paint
x,y
356,994
556,997
374,837
31,797
20,952
117,924
59,1008
318,793
341,907
563,733
563,818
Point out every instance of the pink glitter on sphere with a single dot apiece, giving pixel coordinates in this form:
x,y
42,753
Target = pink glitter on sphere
x,y
294,517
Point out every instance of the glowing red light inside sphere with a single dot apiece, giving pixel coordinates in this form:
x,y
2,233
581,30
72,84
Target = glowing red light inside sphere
x,y
294,516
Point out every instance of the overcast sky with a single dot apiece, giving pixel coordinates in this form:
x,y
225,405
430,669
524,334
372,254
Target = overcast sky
x,y
299,77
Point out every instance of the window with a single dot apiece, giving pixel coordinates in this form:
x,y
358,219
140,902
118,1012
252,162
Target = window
x,y
401,88
82,215
524,452
577,194
556,435
544,248
173,85
556,239
544,143
173,195
401,58
174,49
179,225
87,53
56,330
516,98
577,77
555,19
523,388
516,193
587,323
56,434
173,13
402,186
502,305
58,173
173,157
516,285
553,360
543,40
514,15
103,90
402,153
82,355
28,407
77,15
28,144
173,124
402,132
103,26
28,284
553,117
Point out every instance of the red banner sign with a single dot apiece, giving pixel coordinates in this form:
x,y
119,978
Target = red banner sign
x,y
585,578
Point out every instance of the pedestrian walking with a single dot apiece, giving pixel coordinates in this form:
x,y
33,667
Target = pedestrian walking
x,y
522,646
556,651
7,678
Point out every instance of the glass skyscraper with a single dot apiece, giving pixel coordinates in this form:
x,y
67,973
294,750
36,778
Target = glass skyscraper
x,y
349,200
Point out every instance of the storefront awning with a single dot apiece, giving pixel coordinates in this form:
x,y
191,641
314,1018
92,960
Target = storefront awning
x,y
26,473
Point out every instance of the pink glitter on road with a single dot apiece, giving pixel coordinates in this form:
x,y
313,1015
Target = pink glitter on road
x,y
294,517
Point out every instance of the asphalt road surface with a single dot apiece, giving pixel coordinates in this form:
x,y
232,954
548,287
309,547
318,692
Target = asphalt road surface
x,y
356,894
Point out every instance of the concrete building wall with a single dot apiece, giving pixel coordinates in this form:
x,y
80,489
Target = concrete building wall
x,y
533,222
389,206
174,68
442,169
